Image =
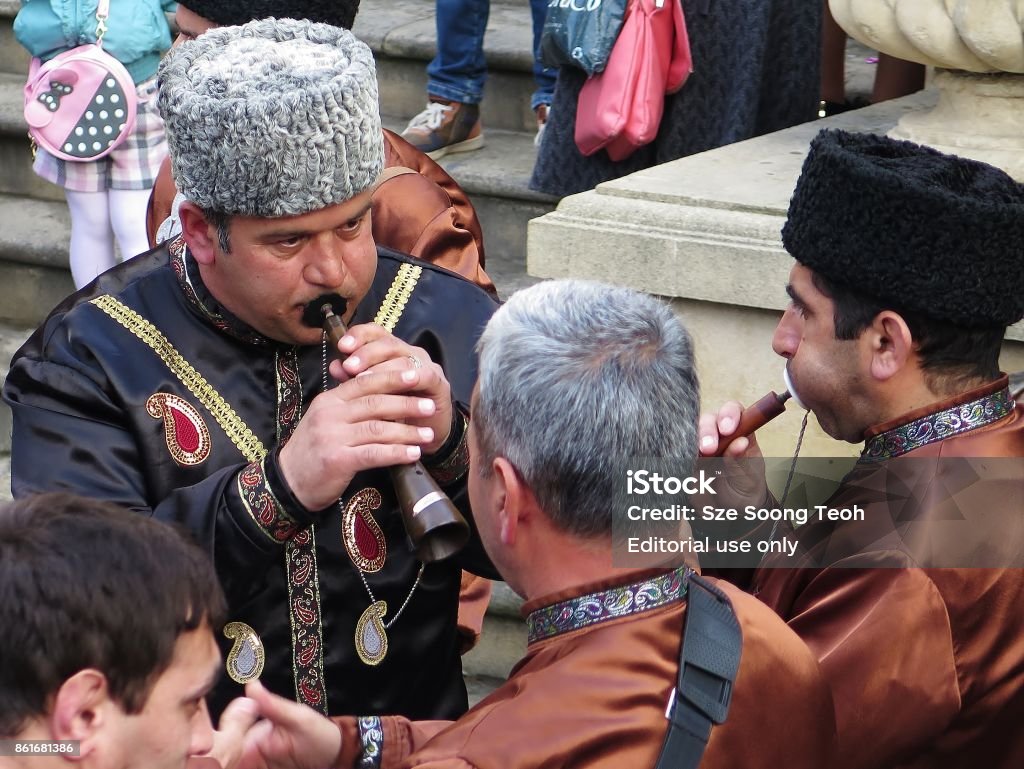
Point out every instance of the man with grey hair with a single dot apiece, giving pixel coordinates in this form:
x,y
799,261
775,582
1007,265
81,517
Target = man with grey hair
x,y
574,374
186,384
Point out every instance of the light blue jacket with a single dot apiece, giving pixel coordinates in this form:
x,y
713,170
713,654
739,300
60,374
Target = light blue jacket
x,y
137,30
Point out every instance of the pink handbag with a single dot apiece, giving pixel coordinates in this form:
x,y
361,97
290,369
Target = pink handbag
x,y
620,109
81,104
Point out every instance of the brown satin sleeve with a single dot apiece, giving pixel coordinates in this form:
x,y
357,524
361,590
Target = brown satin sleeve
x,y
474,597
398,152
160,201
779,690
427,214
350,743
884,643
402,737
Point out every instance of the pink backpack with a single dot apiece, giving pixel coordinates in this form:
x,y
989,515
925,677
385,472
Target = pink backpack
x,y
80,104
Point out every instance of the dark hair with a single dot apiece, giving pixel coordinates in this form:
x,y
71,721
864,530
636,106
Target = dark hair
x,y
339,13
952,357
85,584
221,221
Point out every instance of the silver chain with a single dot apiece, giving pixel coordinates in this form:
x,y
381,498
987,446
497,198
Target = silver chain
x,y
792,470
362,575
796,454
416,584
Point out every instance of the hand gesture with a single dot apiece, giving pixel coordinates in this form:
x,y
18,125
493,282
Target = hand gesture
x,y
393,404
369,350
290,736
743,469
229,738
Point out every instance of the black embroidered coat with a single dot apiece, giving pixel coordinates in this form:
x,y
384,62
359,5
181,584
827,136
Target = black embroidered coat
x,y
103,407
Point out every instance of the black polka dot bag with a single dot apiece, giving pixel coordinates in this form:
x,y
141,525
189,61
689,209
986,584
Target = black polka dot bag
x,y
80,105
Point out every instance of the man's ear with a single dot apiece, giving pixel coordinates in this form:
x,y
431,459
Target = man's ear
x,y
512,499
891,345
200,235
82,710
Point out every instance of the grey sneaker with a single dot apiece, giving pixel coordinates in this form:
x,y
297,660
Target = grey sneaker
x,y
445,127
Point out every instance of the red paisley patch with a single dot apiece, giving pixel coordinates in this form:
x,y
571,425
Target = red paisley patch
x,y
303,567
365,540
185,432
361,534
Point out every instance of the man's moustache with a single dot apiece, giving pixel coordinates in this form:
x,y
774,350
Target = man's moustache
x,y
313,314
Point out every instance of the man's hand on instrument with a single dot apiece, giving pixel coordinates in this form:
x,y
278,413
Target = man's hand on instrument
x,y
372,351
387,414
715,428
744,468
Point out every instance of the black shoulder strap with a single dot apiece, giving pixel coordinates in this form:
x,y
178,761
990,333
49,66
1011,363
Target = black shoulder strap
x,y
708,661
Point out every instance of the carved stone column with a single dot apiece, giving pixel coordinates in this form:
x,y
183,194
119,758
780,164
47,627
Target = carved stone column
x,y
977,48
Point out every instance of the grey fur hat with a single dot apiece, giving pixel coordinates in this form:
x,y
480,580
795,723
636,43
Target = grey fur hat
x,y
277,117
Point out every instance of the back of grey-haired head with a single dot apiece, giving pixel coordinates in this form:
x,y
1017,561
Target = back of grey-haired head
x,y
577,377
276,117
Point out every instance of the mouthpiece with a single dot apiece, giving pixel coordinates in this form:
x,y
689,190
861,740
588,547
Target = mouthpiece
x,y
755,416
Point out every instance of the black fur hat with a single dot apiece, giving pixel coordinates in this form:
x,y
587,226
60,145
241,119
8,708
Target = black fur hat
x,y
911,227
339,13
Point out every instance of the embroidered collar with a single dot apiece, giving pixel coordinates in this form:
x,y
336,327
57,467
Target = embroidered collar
x,y
954,420
593,608
201,300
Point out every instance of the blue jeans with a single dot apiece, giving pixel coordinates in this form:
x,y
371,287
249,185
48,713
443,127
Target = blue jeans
x,y
459,70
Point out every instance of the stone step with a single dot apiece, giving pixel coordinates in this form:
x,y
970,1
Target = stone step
x,y
403,36
34,274
17,177
34,224
503,639
13,58
495,178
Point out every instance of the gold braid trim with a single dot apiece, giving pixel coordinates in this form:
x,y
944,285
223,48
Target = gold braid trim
x,y
236,429
397,297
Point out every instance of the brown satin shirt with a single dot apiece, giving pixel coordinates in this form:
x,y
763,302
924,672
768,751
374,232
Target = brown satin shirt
x,y
426,214
596,697
926,665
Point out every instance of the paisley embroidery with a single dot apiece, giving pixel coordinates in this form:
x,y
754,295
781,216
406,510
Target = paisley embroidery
x,y
246,658
307,627
938,426
363,539
186,434
371,638
371,734
263,506
591,609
